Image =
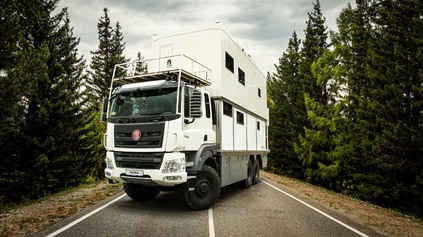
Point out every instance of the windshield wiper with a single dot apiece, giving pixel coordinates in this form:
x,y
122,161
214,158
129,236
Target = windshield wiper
x,y
126,120
156,118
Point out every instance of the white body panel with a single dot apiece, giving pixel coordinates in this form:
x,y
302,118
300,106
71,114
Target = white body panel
x,y
237,137
209,46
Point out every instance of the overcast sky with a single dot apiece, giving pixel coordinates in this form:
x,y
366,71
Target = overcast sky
x,y
261,27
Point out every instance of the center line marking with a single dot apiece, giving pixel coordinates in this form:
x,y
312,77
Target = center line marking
x,y
317,210
211,223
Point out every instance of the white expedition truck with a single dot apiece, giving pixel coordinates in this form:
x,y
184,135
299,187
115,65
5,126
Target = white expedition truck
x,y
192,119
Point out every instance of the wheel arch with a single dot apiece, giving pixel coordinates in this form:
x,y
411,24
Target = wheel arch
x,y
205,155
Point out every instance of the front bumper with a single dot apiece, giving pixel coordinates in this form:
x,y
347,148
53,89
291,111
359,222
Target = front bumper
x,y
148,177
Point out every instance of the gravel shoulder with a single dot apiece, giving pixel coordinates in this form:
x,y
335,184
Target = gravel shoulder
x,y
47,211
39,215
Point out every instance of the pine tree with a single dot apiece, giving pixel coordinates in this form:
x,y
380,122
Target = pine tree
x,y
285,111
67,69
314,90
141,65
12,88
359,110
314,45
109,53
395,83
322,148
48,72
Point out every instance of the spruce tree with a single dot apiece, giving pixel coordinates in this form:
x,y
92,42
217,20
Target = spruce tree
x,y
12,88
285,111
312,49
141,65
312,89
109,53
48,72
395,83
322,148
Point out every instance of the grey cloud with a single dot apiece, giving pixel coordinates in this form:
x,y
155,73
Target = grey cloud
x,y
263,27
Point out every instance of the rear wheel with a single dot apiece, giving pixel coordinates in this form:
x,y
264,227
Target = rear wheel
x,y
205,189
256,169
140,193
246,183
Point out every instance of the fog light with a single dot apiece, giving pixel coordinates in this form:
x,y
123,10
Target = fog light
x,y
173,178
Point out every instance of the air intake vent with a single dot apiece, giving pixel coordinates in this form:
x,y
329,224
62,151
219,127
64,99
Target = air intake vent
x,y
195,106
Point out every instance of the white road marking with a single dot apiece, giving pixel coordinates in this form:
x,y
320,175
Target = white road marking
x,y
317,210
211,223
84,217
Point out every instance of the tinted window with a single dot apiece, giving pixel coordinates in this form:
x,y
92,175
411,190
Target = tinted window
x,y
227,109
229,62
241,76
239,118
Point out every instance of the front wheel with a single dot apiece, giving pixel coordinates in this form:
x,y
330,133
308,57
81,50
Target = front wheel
x,y
140,193
205,191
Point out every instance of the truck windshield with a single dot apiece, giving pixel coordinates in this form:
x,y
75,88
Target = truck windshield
x,y
158,101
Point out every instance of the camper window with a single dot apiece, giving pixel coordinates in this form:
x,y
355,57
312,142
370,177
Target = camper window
x,y
241,76
239,118
229,62
227,109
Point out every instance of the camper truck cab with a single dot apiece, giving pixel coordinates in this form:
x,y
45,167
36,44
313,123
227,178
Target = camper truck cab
x,y
179,125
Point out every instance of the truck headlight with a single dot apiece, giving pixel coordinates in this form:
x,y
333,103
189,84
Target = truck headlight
x,y
174,166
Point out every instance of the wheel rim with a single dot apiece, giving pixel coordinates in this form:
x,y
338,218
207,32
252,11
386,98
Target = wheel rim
x,y
202,188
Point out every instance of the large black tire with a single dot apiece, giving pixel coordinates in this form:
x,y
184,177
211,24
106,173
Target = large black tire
x,y
206,189
256,172
246,183
139,192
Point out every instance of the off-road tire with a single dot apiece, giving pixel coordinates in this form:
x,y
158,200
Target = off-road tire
x,y
140,193
206,189
246,183
256,172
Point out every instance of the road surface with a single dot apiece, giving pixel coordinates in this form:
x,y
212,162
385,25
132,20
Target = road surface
x,y
265,209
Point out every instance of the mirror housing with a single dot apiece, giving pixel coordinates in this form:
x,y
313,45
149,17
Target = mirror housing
x,y
104,109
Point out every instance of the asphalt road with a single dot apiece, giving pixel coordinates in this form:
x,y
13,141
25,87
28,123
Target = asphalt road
x,y
265,209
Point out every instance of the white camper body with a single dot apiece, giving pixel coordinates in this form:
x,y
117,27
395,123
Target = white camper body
x,y
197,122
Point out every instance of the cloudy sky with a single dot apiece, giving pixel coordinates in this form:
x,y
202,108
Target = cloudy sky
x,y
261,27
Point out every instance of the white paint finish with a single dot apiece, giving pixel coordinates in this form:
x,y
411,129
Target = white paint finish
x,y
251,132
208,45
261,136
227,126
240,132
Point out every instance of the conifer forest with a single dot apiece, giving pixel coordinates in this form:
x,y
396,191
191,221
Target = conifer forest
x,y
346,106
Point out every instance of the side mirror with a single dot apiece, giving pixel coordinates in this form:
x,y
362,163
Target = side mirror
x,y
195,104
104,109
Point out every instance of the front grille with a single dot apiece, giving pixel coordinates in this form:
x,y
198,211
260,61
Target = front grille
x,y
151,135
138,160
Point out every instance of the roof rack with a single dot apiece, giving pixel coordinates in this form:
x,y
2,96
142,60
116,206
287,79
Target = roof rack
x,y
181,66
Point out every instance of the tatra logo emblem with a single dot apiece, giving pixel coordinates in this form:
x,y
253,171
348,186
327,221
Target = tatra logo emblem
x,y
136,135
